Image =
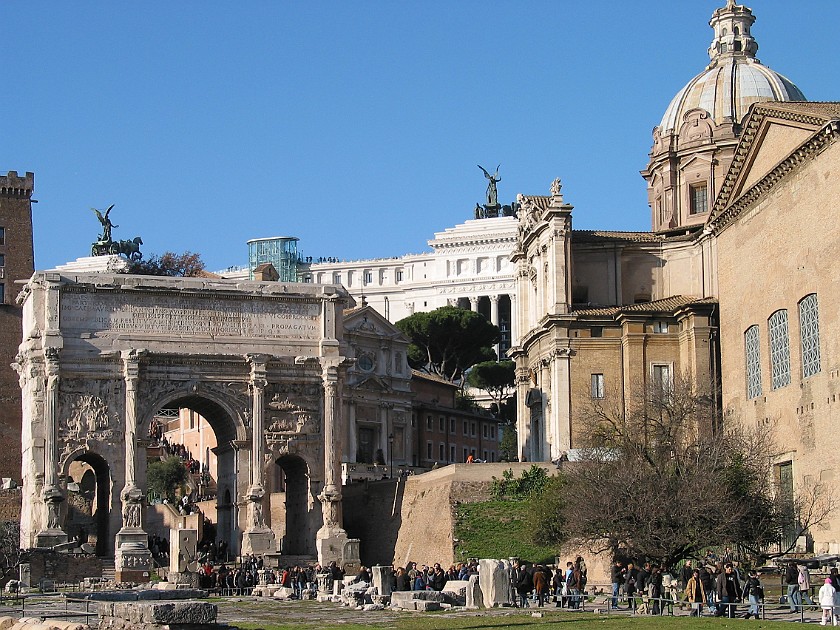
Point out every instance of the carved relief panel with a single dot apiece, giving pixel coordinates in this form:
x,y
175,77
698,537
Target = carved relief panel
x,y
89,411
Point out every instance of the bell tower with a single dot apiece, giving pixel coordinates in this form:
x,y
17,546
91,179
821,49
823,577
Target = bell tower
x,y
17,262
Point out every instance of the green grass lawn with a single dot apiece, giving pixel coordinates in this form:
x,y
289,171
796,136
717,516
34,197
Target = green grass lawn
x,y
497,529
435,621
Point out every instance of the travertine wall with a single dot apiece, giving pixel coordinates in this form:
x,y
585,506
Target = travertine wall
x,y
780,250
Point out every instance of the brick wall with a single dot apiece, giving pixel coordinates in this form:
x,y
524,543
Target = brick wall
x,y
18,263
62,567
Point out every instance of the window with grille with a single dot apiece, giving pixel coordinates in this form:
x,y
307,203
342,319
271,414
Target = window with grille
x,y
779,349
809,330
661,376
753,362
699,199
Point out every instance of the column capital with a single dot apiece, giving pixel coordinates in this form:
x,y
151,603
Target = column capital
x,y
494,298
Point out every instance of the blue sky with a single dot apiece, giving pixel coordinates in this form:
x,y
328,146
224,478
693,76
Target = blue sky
x,y
355,126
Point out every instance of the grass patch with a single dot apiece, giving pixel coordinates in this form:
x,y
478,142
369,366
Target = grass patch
x,y
499,528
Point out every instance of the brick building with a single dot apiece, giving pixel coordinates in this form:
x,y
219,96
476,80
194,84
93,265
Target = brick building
x,y
17,262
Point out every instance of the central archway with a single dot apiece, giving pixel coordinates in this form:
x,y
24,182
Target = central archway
x,y
203,432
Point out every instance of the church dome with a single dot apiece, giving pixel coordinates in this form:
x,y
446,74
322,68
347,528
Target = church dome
x,y
734,79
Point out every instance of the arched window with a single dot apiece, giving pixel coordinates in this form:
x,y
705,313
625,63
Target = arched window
x,y
809,331
779,349
753,362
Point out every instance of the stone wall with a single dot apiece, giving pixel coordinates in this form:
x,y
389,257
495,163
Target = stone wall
x,y
62,567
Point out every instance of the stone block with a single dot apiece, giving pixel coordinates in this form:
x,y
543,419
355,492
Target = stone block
x,y
474,598
186,612
383,579
426,605
459,587
494,578
7,622
283,593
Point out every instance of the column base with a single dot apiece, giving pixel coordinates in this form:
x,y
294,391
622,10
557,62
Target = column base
x,y
50,538
132,560
332,546
257,542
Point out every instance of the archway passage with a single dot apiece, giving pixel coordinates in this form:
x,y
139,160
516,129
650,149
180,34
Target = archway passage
x,y
89,502
291,481
199,433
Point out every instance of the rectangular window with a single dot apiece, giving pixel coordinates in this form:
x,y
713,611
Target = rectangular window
x,y
660,327
466,454
596,331
337,278
429,422
472,429
441,452
441,424
398,275
493,432
368,277
779,349
428,450
466,431
809,329
452,426
597,386
2,236
661,379
2,293
484,430
2,260
492,456
699,198
753,362
485,456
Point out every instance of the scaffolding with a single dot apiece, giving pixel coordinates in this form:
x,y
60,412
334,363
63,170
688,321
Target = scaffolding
x,y
280,251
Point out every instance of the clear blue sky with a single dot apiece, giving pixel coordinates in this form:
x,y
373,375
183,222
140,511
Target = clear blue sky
x,y
356,126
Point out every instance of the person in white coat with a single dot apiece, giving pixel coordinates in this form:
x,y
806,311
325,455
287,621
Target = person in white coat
x,y
826,597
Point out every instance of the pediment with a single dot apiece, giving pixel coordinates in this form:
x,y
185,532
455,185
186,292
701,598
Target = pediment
x,y
775,140
372,383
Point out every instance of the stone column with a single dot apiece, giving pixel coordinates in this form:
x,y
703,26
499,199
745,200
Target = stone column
x,y
494,319
514,321
384,431
474,304
257,539
331,538
133,560
51,534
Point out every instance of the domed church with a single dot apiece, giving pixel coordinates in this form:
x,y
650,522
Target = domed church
x,y
732,290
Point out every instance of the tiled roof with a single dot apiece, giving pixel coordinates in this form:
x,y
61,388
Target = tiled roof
x,y
665,305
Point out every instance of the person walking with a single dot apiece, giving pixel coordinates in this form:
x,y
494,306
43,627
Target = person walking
x,y
804,581
754,593
630,586
727,589
695,594
617,579
792,582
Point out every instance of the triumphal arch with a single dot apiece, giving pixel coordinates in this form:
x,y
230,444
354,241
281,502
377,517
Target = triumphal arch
x,y
102,353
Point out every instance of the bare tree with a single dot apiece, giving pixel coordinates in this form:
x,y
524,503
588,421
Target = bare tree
x,y
10,551
660,479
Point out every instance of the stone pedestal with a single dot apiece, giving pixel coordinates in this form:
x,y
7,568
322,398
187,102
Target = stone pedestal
x,y
257,542
111,263
133,562
330,546
49,538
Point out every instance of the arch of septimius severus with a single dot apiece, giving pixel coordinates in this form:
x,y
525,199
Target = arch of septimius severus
x,y
103,353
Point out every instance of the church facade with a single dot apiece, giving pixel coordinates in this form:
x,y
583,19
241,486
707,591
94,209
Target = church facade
x,y
731,290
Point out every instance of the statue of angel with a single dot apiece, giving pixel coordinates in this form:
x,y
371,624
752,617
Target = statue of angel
x,y
492,193
106,224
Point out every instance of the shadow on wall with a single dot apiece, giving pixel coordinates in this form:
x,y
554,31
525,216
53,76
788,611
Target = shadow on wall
x,y
372,513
